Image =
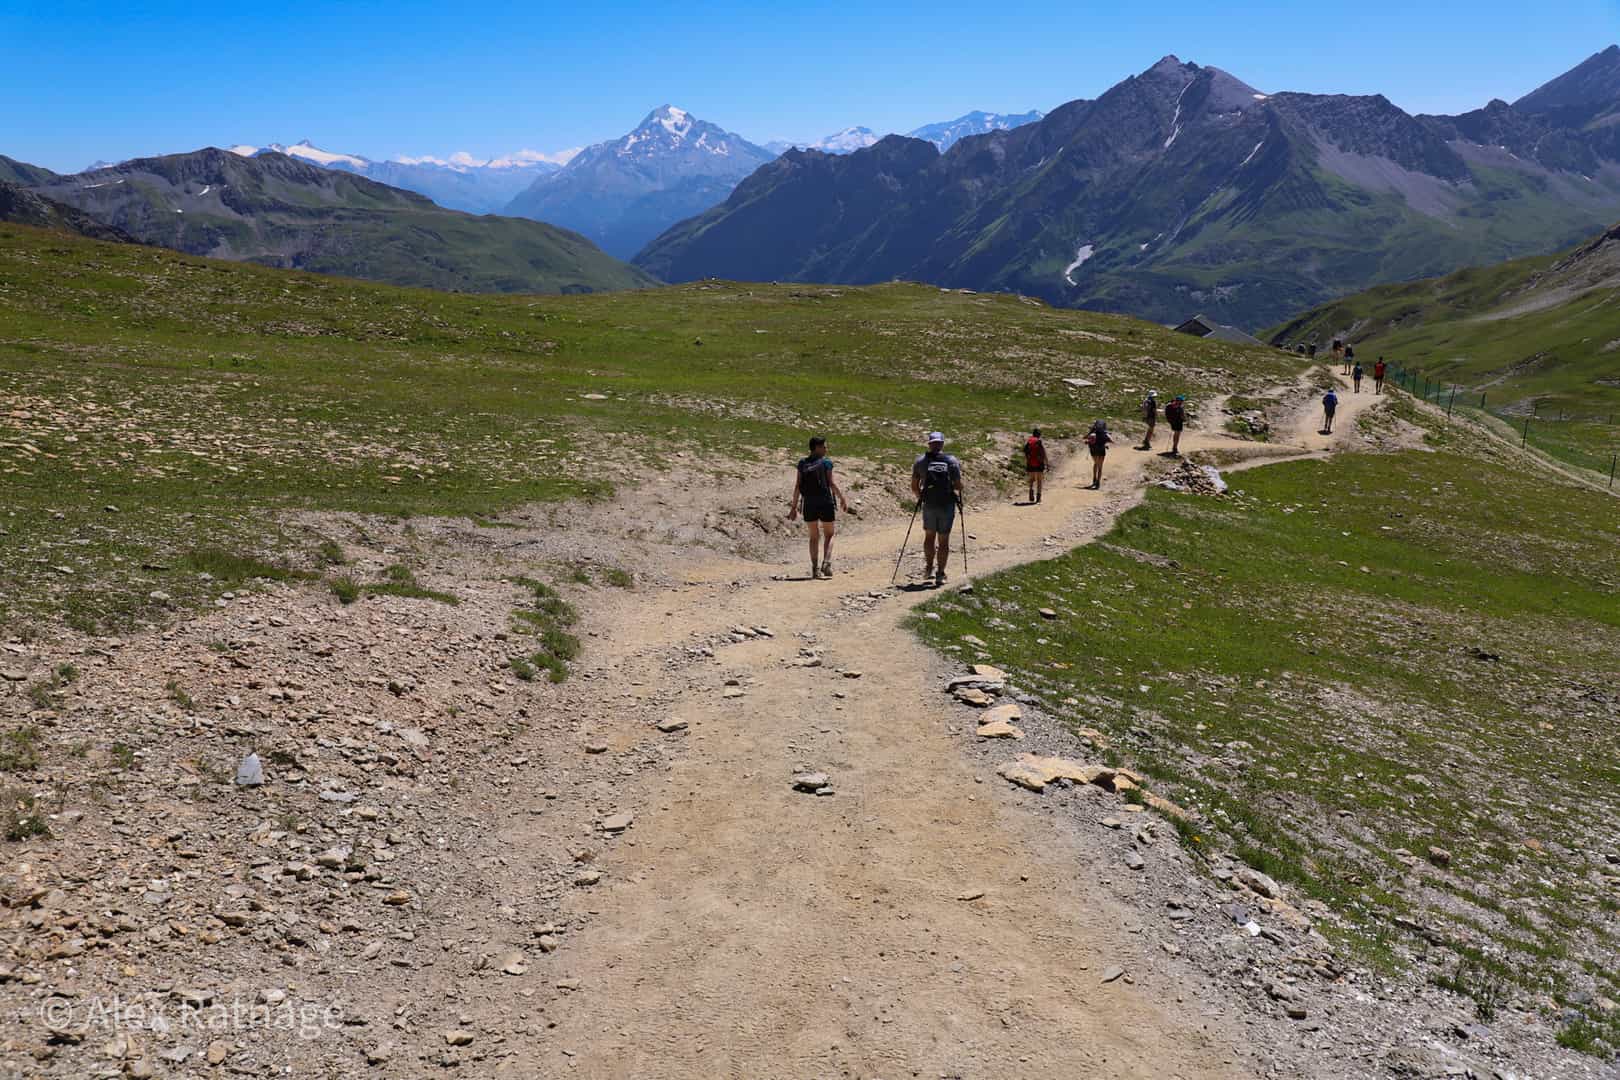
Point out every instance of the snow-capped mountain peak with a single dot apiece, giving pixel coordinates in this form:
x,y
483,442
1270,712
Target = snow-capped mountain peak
x,y
675,121
308,151
847,141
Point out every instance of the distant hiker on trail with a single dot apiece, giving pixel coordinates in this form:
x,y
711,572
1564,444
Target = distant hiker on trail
x,y
1355,374
1034,464
936,484
1097,440
815,487
1175,414
1349,357
1311,351
1330,405
1378,376
1150,417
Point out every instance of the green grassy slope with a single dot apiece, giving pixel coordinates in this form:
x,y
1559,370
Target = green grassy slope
x,y
278,211
1533,336
1345,664
165,385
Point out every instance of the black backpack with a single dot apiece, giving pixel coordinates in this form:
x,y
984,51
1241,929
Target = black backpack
x,y
936,484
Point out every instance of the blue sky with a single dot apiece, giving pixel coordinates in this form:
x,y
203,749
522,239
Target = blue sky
x,y
82,81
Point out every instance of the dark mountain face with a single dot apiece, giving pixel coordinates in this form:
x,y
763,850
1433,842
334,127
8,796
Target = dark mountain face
x,y
20,206
1587,91
278,211
20,172
1179,189
623,193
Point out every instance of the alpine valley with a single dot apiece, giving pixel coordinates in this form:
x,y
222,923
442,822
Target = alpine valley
x,y
1182,189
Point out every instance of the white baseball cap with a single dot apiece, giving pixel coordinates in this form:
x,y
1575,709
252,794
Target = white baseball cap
x,y
935,437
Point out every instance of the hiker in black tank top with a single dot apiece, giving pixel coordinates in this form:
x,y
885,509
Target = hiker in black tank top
x,y
815,488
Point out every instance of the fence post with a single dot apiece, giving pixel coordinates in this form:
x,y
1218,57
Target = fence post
x,y
1482,401
1452,402
1612,459
1526,436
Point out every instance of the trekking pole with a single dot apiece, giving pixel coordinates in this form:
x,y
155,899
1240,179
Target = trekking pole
x,y
1526,436
1612,459
962,510
896,575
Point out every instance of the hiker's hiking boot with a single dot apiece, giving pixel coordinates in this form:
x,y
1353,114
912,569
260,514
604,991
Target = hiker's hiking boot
x,y
826,568
939,577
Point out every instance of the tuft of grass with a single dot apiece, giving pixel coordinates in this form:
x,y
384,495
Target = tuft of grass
x,y
123,755
619,577
21,817
1583,1036
213,772
548,618
179,695
20,749
45,693
330,553
400,581
231,568
1485,983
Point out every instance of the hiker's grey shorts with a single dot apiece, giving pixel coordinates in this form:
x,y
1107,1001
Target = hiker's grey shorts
x,y
938,519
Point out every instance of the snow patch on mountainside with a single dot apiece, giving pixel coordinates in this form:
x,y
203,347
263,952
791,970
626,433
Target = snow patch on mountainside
x,y
1253,152
1175,121
1084,252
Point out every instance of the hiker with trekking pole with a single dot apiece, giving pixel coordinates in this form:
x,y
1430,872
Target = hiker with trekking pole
x,y
936,484
816,489
1330,405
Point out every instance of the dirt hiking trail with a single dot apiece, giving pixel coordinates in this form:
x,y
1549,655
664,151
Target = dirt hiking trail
x,y
915,923
474,875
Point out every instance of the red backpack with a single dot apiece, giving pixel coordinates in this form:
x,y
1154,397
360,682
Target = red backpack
x,y
1034,453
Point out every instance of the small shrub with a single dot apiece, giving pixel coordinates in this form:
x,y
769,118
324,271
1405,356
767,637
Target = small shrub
x,y
330,553
19,750
522,668
620,578
122,755
346,589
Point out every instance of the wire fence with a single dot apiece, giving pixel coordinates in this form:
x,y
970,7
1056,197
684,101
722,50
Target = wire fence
x,y
1591,441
